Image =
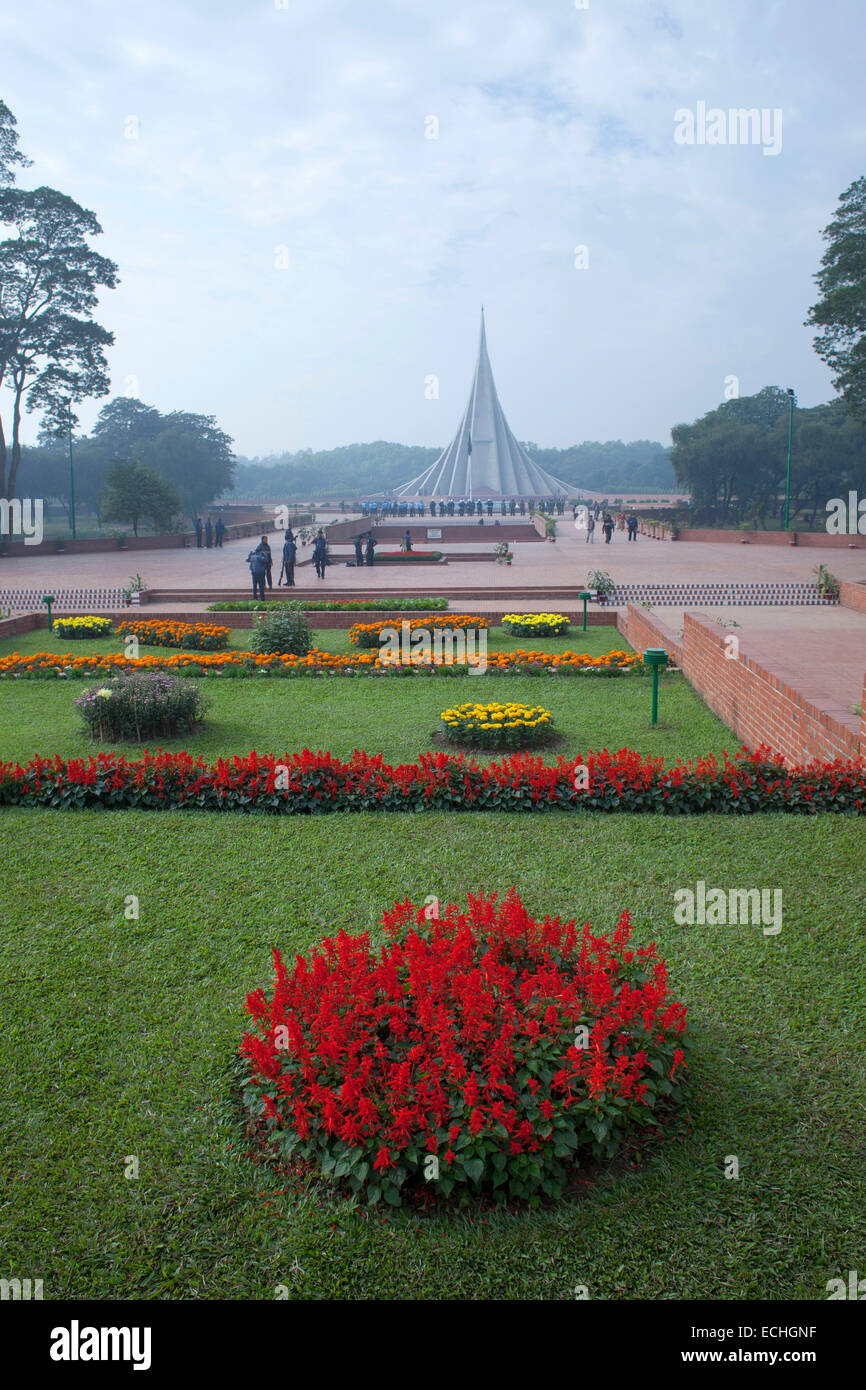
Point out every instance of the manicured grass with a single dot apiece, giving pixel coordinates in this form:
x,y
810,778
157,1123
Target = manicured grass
x,y
595,641
118,1035
390,715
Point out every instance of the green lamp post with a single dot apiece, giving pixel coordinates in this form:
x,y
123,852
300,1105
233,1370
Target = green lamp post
x,y
656,658
71,469
791,399
48,599
585,594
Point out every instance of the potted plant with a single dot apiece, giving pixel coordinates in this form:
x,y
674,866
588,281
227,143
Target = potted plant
x,y
502,553
133,591
744,526
792,536
601,582
827,583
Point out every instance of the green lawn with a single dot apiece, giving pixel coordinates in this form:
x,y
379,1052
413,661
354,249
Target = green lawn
x,y
118,1036
388,715
596,641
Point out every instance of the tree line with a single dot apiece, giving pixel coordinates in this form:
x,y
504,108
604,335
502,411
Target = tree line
x,y
137,464
363,470
733,461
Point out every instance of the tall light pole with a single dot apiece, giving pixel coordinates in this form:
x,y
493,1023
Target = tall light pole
x,y
71,471
791,399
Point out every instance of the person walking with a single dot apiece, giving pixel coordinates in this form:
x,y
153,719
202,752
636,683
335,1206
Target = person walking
x,y
590,529
632,527
198,531
290,554
370,548
258,564
219,532
208,534
320,554
607,527
359,553
265,549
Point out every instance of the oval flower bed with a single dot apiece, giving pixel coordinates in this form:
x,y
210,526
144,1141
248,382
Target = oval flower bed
x,y
78,629
142,704
495,725
535,624
480,1052
161,632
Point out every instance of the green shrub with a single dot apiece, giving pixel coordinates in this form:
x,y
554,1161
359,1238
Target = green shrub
x,y
284,631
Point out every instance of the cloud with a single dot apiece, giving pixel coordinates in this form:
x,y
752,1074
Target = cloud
x,y
307,128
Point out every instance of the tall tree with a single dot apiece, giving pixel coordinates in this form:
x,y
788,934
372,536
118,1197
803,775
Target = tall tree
x,y
10,155
841,312
52,353
133,492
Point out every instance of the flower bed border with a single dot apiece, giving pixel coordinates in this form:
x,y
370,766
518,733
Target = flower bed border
x,y
318,783
55,665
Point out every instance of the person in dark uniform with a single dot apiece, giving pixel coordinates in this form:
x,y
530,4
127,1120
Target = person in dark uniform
x,y
258,563
407,539
219,532
320,554
607,527
370,549
208,534
290,553
359,553
198,531
632,523
265,549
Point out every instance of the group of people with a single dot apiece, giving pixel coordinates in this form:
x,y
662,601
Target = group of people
x,y
212,535
623,523
365,549
464,506
261,562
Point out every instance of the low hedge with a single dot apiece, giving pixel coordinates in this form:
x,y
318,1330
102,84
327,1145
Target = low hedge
x,y
314,783
354,605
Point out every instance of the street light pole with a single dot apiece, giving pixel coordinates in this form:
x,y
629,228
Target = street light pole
x,y
788,473
71,472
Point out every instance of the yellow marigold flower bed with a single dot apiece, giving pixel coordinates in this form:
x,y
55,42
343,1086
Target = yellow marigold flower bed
x,y
496,725
535,624
85,626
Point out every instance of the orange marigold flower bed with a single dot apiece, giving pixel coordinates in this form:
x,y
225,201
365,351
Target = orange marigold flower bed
x,y
369,634
162,632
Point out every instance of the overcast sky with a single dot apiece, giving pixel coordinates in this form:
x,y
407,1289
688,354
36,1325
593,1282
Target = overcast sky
x,y
298,257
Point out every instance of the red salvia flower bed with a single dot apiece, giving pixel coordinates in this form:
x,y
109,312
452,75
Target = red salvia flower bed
x,y
310,783
482,1051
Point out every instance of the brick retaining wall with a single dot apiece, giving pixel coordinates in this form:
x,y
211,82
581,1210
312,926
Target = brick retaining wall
x,y
852,595
642,629
759,703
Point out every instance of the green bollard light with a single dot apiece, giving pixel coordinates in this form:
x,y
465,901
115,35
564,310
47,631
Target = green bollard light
x,y
585,594
48,599
656,658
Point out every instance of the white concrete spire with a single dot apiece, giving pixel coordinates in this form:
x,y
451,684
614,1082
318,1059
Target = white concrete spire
x,y
484,459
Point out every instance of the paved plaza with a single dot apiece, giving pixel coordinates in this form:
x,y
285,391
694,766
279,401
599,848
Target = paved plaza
x,y
822,650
